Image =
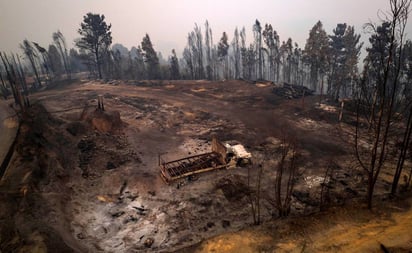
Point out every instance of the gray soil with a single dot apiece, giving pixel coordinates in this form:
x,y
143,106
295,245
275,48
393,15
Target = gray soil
x,y
82,180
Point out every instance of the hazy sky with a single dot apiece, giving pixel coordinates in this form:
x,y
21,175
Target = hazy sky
x,y
169,21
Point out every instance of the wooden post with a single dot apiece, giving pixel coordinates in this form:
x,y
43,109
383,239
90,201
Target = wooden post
x,y
100,104
321,92
303,100
342,104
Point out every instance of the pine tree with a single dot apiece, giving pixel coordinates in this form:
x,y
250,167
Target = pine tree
x,y
316,53
151,59
174,66
96,38
344,53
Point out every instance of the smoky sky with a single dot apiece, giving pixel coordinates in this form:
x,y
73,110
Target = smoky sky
x,y
169,21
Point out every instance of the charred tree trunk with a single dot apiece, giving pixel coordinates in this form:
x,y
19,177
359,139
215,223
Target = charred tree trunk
x,y
404,148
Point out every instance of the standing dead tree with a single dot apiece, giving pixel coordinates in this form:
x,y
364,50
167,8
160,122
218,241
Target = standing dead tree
x,y
12,77
326,185
60,43
285,176
3,87
46,60
378,93
255,192
31,55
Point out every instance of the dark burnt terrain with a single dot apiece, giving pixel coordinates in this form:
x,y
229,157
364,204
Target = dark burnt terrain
x,y
84,180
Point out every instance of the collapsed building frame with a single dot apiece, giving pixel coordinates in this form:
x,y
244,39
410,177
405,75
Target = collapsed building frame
x,y
181,168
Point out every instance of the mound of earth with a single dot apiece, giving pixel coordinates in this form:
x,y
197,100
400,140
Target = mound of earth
x,y
104,121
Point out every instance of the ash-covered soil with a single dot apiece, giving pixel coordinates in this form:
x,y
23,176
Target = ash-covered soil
x,y
86,180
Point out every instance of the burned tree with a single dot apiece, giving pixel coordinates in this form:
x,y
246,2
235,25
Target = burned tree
x,y
208,49
285,176
406,112
257,31
3,87
193,53
46,61
174,66
222,52
255,190
236,53
378,93
13,79
56,65
60,44
31,55
271,39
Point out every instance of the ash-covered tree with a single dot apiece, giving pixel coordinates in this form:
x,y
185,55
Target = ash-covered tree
x,y
257,32
296,70
194,50
60,43
151,59
174,66
243,54
45,66
248,61
138,57
96,39
286,52
120,59
236,53
199,46
13,79
271,39
55,58
222,53
208,48
18,67
315,54
75,61
31,55
188,60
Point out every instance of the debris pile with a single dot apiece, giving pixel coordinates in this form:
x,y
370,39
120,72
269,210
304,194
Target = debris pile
x,y
291,91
